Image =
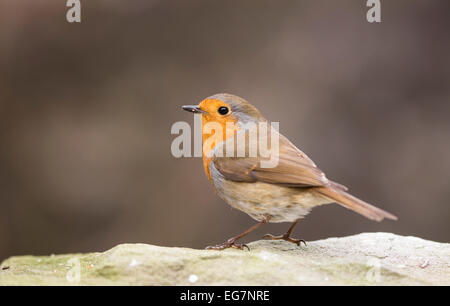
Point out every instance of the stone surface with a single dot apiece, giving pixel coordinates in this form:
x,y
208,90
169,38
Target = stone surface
x,y
364,259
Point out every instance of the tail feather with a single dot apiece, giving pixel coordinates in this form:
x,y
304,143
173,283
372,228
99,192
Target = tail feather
x,y
348,201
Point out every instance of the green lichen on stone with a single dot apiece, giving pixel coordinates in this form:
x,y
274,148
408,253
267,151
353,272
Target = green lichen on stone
x,y
365,259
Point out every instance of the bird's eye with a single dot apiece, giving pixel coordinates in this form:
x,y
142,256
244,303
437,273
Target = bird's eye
x,y
223,110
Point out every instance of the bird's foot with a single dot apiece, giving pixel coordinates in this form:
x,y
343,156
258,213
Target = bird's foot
x,y
286,238
230,243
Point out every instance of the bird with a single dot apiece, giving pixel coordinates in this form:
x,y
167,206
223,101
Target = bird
x,y
285,192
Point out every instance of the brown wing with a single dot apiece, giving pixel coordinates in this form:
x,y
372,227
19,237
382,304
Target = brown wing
x,y
294,168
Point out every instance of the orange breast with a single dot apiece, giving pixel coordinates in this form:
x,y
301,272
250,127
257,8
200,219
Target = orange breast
x,y
214,137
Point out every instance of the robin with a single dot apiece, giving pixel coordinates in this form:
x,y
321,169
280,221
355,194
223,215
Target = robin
x,y
285,192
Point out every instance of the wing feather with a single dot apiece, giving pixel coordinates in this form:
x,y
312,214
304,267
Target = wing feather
x,y
294,168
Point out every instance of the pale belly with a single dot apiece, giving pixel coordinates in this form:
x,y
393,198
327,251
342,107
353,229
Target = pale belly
x,y
258,200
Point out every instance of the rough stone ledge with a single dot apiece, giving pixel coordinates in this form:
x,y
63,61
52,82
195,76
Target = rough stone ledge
x,y
364,259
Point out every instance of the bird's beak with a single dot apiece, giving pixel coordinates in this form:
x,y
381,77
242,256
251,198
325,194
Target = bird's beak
x,y
193,109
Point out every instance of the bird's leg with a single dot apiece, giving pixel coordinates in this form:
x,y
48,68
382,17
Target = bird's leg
x,y
287,236
231,243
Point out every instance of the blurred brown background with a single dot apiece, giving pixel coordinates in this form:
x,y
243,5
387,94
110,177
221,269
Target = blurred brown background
x,y
86,111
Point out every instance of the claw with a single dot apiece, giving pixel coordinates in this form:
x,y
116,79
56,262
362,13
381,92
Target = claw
x,y
286,238
231,243
228,244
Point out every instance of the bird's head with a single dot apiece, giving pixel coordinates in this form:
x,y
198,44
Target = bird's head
x,y
223,115
226,108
